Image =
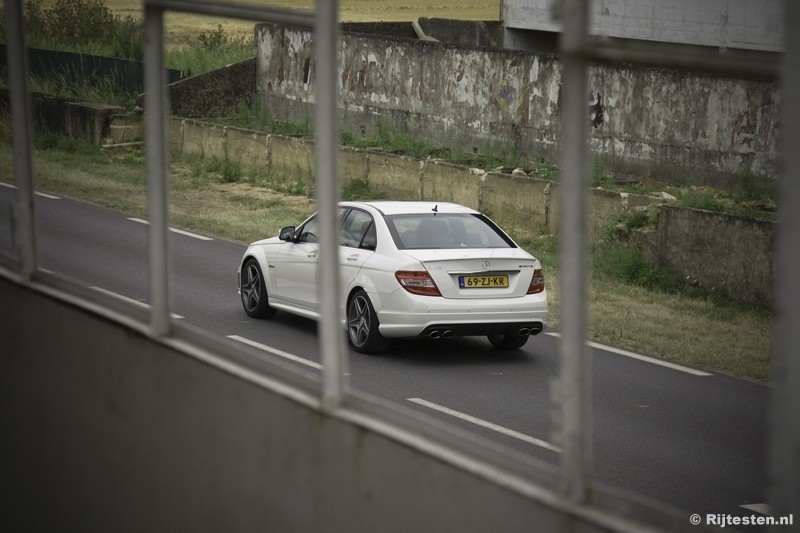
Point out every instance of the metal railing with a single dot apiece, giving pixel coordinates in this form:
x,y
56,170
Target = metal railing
x,y
575,377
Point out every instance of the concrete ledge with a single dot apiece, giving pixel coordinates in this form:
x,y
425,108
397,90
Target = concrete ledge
x,y
448,182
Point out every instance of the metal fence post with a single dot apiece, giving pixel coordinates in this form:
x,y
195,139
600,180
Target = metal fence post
x,y
331,340
576,370
157,169
24,214
785,423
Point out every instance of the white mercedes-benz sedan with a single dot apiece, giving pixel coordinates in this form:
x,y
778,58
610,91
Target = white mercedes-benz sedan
x,y
408,269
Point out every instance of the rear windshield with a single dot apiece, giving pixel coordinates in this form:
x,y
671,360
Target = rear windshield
x,y
446,230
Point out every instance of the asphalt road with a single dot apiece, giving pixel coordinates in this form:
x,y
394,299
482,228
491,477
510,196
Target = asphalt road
x,y
695,441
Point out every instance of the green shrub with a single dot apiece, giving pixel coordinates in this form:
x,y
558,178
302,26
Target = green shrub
x,y
86,26
598,170
210,50
229,171
622,261
702,199
359,190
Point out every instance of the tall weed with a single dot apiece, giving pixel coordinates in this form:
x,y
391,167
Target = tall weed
x,y
210,50
81,26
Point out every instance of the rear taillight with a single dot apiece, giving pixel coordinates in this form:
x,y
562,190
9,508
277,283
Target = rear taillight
x,y
417,282
537,282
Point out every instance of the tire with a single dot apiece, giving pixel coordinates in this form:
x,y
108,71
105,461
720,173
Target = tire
x,y
362,326
254,291
509,341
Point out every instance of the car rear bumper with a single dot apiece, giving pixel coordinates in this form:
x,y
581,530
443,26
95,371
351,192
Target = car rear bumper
x,y
406,315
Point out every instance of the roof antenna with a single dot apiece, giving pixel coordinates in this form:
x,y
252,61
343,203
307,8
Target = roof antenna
x,y
435,209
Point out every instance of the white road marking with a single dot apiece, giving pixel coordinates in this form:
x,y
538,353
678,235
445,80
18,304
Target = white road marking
x,y
48,196
761,508
130,300
175,230
640,357
42,194
275,351
488,425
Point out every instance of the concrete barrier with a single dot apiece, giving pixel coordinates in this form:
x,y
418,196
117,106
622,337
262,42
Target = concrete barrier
x,y
448,182
291,160
519,204
395,175
728,254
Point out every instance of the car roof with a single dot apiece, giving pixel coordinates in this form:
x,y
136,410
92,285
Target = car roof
x,y
395,207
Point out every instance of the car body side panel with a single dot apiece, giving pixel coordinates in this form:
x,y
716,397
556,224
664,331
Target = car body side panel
x,y
296,274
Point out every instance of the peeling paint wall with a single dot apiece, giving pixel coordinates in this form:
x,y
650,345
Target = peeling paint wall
x,y
732,255
684,127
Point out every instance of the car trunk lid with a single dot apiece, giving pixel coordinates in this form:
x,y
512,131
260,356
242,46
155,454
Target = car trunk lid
x,y
497,273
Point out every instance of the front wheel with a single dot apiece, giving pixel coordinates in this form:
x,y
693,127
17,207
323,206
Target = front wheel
x,y
509,341
362,326
254,291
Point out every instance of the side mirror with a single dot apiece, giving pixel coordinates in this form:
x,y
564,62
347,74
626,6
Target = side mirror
x,y
286,234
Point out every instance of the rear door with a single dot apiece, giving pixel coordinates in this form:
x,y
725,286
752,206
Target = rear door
x,y
356,244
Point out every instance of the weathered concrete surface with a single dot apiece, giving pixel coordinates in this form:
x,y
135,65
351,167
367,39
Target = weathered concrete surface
x,y
291,158
217,93
519,204
125,128
397,176
353,165
729,254
81,120
248,148
685,128
679,126
744,24
450,183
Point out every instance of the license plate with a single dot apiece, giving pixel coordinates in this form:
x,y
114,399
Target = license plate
x,y
483,282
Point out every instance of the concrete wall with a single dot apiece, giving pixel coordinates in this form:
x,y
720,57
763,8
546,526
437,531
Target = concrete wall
x,y
745,24
684,127
525,205
731,255
115,431
218,93
82,120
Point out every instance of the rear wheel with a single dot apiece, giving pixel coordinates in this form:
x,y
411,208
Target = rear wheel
x,y
509,341
362,325
254,291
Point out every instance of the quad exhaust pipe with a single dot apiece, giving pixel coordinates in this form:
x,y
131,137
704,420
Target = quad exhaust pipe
x,y
535,330
444,334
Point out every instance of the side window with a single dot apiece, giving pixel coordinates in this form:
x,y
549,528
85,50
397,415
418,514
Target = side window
x,y
356,229
370,240
309,232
